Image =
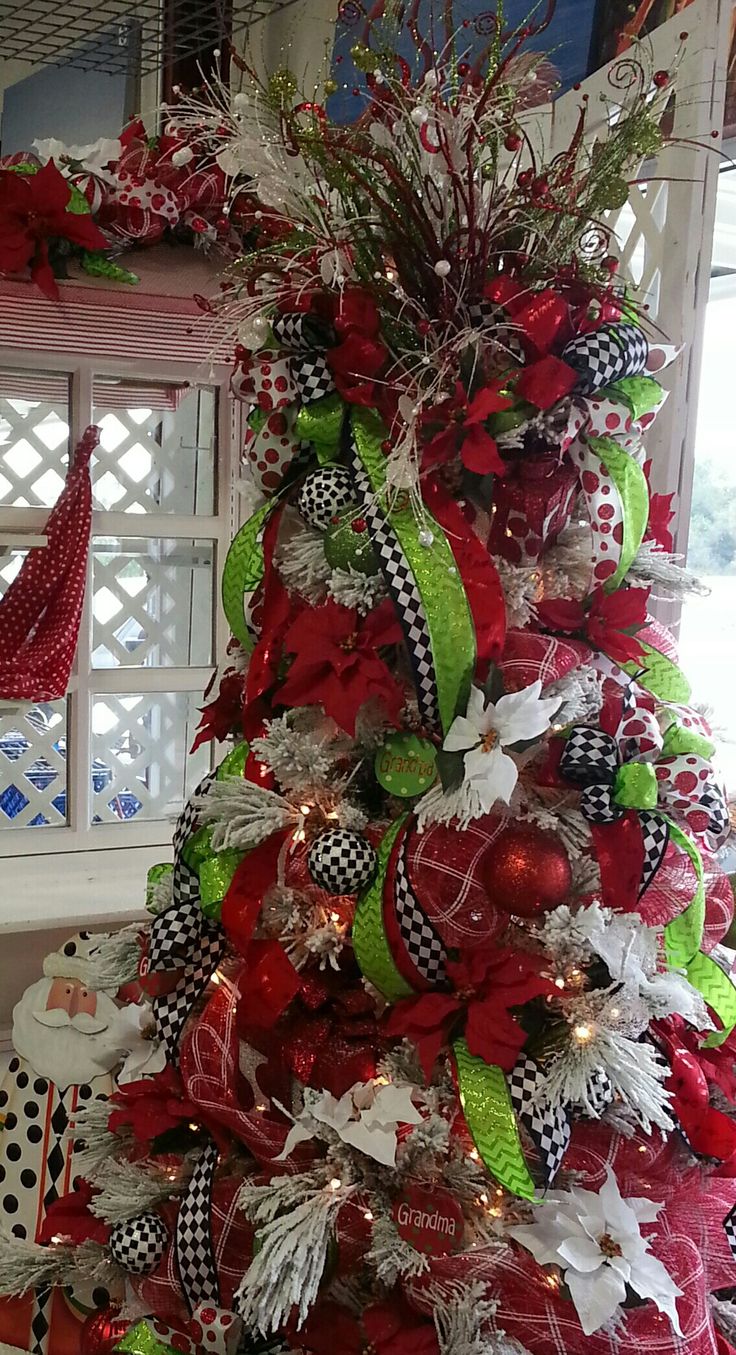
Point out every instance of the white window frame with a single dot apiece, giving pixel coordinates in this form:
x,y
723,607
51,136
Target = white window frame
x,y
79,834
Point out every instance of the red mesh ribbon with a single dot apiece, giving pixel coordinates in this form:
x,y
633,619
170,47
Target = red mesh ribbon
x,y
41,610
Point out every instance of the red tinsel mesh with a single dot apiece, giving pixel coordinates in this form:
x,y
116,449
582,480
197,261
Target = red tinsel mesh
x,y
673,887
444,870
688,1238
529,657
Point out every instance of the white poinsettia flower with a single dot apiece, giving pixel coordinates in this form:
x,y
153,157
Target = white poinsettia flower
x,y
487,728
136,1037
596,1240
94,156
367,1117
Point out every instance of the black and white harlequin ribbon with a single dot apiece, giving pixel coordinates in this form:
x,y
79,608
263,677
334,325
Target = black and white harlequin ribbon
x,y
484,314
404,591
729,1227
607,355
591,760
182,940
548,1127
195,1256
424,947
309,367
185,884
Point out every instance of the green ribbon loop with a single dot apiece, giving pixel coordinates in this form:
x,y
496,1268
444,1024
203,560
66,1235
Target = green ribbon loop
x,y
486,1103
718,991
197,848
215,878
635,786
640,394
243,572
679,741
631,486
321,424
449,620
660,676
370,943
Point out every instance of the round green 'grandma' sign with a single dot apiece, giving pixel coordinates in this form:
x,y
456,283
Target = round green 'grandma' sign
x,y
406,765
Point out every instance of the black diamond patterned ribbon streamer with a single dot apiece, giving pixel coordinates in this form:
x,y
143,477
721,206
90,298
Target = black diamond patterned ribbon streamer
x,y
549,1127
729,1226
424,947
182,939
195,1256
404,591
483,314
607,355
308,340
591,760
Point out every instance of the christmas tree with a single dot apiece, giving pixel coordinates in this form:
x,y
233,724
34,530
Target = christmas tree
x,y
437,969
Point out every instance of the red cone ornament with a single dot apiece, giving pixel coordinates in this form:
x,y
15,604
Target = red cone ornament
x,y
526,871
102,1331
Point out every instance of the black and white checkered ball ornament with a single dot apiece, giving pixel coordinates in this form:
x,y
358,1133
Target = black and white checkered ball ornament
x,y
325,494
341,862
138,1244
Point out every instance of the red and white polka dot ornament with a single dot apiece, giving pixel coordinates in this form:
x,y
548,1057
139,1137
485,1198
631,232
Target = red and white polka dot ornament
x,y
265,381
216,1329
271,450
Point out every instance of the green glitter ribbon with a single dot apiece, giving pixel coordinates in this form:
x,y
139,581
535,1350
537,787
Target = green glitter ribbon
x,y
215,877
234,763
660,676
370,943
449,620
243,572
142,1340
486,1103
321,424
154,876
635,786
683,937
631,487
678,742
640,394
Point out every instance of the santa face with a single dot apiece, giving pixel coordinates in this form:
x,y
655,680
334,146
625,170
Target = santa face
x,y
67,1032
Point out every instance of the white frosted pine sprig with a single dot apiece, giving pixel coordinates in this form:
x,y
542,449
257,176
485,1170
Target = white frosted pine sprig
x,y
243,814
301,562
286,1272
661,570
124,1189
465,1320
89,1124
391,1257
635,1070
352,589
300,751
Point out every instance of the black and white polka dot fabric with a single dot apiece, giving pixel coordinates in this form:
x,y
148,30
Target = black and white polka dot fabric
x,y
341,862
607,355
138,1245
325,494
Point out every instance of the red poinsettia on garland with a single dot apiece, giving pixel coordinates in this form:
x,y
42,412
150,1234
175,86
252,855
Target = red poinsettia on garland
x,y
488,985
457,428
152,1106
608,620
34,209
337,663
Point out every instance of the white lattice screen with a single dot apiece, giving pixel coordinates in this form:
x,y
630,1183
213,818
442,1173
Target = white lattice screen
x,y
110,765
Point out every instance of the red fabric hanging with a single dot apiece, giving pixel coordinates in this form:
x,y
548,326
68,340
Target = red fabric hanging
x,y
42,609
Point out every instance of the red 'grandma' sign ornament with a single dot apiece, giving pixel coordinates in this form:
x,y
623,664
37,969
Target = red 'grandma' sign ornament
x,y
430,1220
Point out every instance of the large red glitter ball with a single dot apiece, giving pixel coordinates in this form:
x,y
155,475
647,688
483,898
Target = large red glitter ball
x,y
527,871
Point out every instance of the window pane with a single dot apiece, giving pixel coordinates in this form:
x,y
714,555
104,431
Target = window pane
x,y
33,767
157,447
34,437
152,603
142,768
708,632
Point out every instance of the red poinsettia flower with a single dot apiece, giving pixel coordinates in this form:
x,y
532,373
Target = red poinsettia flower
x,y
71,1218
337,664
608,621
354,364
152,1106
488,985
222,716
460,430
393,1328
33,210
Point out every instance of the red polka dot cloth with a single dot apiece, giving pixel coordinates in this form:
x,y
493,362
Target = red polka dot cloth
x,y
42,609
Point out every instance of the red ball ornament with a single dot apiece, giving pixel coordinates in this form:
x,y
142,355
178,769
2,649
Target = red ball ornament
x,y
513,142
661,79
102,1331
527,871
